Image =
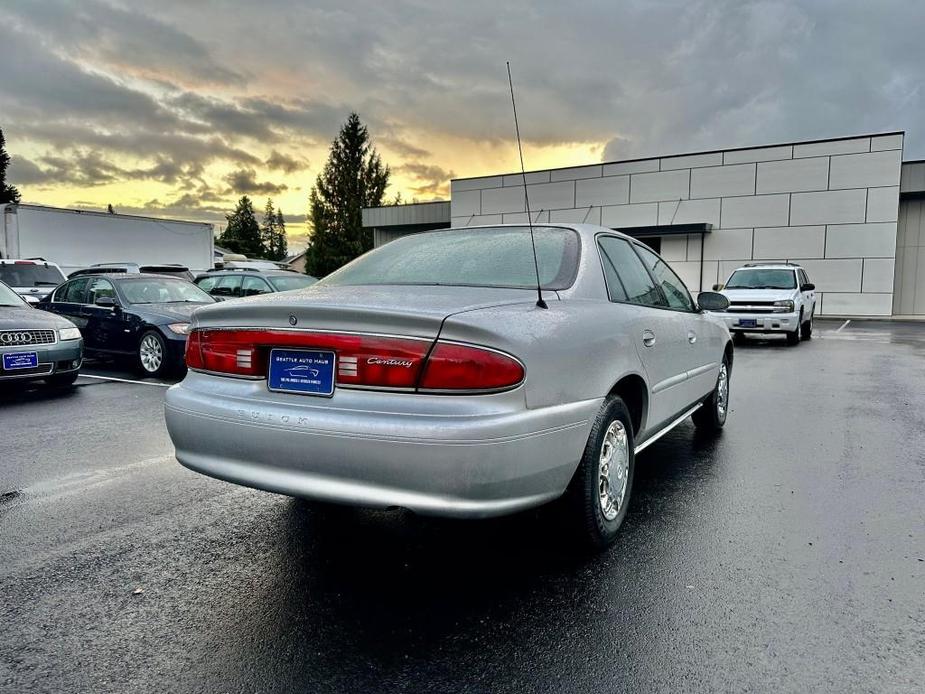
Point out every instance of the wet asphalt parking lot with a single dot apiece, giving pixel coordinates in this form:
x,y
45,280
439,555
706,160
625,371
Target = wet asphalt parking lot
x,y
786,555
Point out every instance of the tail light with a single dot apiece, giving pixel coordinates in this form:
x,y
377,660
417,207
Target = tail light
x,y
455,367
363,361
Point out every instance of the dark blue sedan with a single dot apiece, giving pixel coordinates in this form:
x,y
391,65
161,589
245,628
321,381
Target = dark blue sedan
x,y
140,316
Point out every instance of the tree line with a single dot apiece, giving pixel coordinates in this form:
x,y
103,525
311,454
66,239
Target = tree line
x,y
353,177
244,235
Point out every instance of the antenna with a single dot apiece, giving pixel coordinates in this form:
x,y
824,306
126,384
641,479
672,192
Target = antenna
x,y
536,265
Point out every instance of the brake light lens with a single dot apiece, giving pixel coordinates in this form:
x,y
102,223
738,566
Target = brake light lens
x,y
455,367
362,360
365,361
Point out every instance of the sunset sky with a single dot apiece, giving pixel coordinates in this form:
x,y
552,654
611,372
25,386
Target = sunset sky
x,y
176,108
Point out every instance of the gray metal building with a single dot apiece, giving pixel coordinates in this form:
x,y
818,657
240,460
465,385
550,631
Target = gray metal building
x,y
847,209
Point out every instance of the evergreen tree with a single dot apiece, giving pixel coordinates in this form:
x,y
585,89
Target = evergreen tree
x,y
268,231
353,177
8,193
282,244
242,235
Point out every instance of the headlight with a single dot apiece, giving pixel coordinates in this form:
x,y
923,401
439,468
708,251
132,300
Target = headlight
x,y
786,305
69,333
182,328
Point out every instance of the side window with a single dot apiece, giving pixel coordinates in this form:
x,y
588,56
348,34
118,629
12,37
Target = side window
x,y
206,283
73,292
672,287
99,287
227,286
255,285
634,283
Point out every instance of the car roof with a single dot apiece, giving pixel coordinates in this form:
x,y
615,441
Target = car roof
x,y
128,276
27,261
773,266
245,271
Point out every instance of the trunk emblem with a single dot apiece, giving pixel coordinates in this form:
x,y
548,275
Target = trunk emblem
x,y
293,320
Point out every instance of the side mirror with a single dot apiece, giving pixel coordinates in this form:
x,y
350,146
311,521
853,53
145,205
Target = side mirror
x,y
106,302
717,287
711,301
808,287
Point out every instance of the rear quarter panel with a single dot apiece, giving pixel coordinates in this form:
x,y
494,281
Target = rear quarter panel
x,y
572,351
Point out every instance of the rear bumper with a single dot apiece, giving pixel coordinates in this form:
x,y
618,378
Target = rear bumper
x,y
472,456
60,357
763,322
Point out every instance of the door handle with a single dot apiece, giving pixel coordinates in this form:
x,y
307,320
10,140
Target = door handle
x,y
692,337
648,338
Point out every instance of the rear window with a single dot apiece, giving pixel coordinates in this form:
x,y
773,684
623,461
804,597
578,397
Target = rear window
x,y
285,283
487,257
30,275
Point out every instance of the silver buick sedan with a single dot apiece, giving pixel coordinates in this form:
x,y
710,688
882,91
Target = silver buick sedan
x,y
434,374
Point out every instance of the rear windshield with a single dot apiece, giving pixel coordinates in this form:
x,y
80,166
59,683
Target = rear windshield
x,y
762,278
284,283
486,257
155,290
30,275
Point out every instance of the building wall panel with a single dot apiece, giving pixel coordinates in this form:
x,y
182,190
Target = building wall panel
x,y
610,190
794,175
829,207
722,181
789,242
665,185
861,240
755,211
865,170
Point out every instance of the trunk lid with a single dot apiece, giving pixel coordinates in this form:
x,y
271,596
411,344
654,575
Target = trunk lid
x,y
406,310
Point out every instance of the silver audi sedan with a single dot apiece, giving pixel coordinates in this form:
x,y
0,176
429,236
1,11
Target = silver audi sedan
x,y
434,374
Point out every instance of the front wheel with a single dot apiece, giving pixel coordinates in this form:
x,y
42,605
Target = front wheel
x,y
152,354
711,415
599,493
808,328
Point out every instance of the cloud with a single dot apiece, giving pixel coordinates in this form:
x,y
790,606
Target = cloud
x,y
430,179
187,96
277,161
123,40
244,181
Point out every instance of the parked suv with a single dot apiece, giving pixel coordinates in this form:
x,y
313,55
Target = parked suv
x,y
33,279
770,298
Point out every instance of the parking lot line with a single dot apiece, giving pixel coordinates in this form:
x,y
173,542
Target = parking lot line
x,y
126,380
843,326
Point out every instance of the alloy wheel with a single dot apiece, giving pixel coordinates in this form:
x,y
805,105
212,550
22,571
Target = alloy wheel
x,y
151,353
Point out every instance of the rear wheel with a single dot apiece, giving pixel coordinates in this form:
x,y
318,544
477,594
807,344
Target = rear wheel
x,y
62,380
599,493
711,415
152,354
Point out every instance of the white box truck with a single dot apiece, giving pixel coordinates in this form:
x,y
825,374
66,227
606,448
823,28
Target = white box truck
x,y
76,239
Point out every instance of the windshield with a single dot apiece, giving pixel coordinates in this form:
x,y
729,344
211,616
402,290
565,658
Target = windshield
x,y
762,278
9,298
284,283
487,257
30,275
154,290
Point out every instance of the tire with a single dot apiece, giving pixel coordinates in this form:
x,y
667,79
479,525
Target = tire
x,y
594,520
62,380
807,333
151,357
711,415
793,338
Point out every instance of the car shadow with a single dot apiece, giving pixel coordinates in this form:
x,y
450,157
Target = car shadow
x,y
373,587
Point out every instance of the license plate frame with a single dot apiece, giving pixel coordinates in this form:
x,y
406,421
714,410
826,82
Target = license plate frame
x,y
16,361
302,372
748,322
